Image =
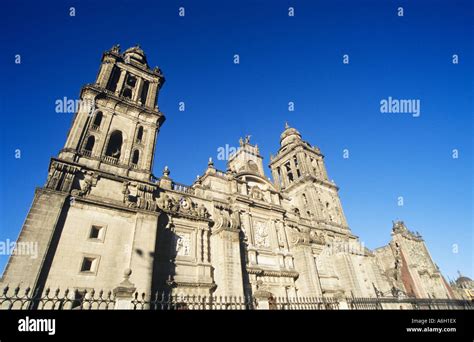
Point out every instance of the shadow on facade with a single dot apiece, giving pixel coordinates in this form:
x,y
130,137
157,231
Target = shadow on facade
x,y
51,250
248,293
164,262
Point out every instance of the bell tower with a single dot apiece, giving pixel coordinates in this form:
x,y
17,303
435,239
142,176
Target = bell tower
x,y
296,159
298,170
116,125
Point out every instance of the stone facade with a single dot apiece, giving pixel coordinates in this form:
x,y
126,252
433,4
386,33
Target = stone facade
x,y
230,233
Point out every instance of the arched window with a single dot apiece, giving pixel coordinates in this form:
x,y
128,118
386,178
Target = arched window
x,y
136,157
90,143
98,119
252,166
140,134
114,148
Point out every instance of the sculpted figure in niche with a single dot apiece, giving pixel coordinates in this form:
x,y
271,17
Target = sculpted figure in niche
x,y
202,211
261,235
183,244
256,193
281,236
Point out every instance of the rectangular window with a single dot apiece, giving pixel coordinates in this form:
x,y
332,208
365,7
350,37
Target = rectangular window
x,y
97,233
89,265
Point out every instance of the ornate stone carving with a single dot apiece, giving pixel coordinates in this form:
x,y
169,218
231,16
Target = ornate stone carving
x,y
262,236
183,244
183,205
314,237
256,193
90,180
127,200
61,176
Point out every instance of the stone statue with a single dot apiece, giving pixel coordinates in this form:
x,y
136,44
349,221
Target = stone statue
x,y
115,48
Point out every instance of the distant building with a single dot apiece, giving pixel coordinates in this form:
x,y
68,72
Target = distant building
x,y
230,233
463,287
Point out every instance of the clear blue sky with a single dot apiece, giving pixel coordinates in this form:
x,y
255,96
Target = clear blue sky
x,y
282,59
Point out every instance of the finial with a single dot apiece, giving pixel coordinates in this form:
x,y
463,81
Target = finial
x,y
210,163
166,171
286,125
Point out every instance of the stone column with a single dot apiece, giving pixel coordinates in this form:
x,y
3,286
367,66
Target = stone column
x,y
205,245
199,245
152,93
262,298
226,259
120,82
293,169
104,74
308,280
138,89
302,162
276,178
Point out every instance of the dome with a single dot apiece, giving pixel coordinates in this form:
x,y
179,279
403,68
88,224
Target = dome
x,y
463,280
136,53
289,135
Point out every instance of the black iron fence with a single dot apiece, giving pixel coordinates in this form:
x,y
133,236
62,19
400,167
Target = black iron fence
x,y
163,301
81,299
48,299
407,303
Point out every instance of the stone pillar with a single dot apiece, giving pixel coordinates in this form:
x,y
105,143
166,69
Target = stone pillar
x,y
343,305
248,226
303,164
152,93
165,181
104,74
262,298
226,259
205,245
276,178
124,292
120,82
308,280
323,169
199,245
138,89
293,168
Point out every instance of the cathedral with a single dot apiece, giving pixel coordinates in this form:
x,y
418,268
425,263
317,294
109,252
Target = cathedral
x,y
230,233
